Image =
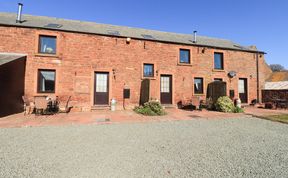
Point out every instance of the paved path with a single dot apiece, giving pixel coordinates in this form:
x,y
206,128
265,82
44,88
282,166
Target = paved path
x,y
246,147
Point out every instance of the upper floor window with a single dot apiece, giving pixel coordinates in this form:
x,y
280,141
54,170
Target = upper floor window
x,y
148,70
218,61
198,85
47,44
185,56
46,81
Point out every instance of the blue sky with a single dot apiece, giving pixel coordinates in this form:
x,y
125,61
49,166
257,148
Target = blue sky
x,y
263,23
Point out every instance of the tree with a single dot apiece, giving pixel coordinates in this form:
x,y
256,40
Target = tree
x,y
277,67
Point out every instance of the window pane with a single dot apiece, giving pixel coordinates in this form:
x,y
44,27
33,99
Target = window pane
x,y
47,44
148,70
165,84
218,61
198,86
184,56
241,86
101,82
46,81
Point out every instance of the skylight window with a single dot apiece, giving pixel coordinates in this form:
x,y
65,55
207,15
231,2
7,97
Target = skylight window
x,y
53,25
150,37
113,32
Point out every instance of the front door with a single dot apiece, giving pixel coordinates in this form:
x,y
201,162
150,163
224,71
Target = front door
x,y
242,89
101,96
166,89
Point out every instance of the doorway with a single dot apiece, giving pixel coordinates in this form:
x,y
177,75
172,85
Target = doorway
x,y
242,90
166,89
101,91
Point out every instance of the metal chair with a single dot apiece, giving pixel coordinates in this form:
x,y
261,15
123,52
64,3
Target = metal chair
x,y
27,105
64,106
40,104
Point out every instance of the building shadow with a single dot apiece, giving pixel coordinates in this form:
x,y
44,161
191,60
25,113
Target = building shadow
x,y
12,84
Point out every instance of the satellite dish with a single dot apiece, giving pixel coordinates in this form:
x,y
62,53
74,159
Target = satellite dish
x,y
232,74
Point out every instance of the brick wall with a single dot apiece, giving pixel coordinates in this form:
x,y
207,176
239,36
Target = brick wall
x,y
80,55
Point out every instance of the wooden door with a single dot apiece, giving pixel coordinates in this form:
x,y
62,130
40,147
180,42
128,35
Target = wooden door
x,y
242,90
101,96
166,89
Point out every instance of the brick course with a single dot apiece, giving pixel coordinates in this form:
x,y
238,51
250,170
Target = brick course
x,y
79,55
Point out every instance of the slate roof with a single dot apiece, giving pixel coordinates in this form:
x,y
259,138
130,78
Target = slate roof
x,y
9,57
278,77
121,31
276,85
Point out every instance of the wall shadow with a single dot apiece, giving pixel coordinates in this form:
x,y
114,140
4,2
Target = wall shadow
x,y
12,84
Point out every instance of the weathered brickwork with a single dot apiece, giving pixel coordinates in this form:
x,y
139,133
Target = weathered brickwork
x,y
79,56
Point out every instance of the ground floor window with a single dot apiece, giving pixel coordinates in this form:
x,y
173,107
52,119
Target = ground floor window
x,y
46,81
198,85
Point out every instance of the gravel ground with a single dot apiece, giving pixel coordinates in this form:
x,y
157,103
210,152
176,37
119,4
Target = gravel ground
x,y
246,147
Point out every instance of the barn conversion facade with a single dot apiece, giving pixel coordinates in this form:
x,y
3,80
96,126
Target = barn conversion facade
x,y
94,63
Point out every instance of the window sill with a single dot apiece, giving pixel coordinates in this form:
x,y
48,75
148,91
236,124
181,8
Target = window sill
x,y
46,55
218,70
150,78
202,94
184,64
45,93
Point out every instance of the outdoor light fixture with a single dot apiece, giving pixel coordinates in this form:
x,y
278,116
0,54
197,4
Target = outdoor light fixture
x,y
114,73
128,40
157,72
203,50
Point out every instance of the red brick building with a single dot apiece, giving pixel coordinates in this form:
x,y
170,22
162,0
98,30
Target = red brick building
x,y
93,62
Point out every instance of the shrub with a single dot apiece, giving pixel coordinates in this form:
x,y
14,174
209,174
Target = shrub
x,y
225,104
151,108
238,110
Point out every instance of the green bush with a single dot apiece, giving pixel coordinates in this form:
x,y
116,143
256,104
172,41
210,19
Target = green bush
x,y
238,110
151,108
225,104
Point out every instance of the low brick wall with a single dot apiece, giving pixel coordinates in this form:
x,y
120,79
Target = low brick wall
x,y
267,95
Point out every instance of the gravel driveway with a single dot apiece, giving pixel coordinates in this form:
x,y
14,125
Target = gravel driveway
x,y
246,147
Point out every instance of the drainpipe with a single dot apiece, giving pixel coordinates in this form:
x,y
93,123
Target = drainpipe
x,y
257,71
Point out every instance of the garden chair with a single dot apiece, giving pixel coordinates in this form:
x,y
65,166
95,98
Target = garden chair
x,y
64,106
27,105
196,101
40,104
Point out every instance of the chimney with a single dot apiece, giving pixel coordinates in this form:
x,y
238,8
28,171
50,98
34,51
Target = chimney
x,y
195,37
19,13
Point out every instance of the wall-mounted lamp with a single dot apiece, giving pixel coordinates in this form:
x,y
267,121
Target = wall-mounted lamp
x,y
203,50
251,76
157,72
128,40
114,73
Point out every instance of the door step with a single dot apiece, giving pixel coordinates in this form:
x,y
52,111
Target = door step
x,y
100,107
168,106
